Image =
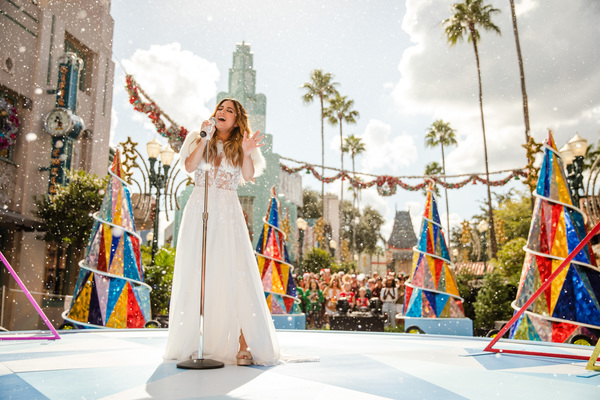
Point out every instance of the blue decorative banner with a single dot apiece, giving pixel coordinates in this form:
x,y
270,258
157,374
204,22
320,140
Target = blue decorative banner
x,y
59,163
68,81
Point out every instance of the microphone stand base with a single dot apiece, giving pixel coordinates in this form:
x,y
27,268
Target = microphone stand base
x,y
197,363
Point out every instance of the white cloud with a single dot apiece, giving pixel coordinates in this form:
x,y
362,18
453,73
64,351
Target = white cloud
x,y
334,144
180,82
525,6
455,221
560,70
385,150
415,209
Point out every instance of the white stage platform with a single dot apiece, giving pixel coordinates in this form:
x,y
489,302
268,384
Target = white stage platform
x,y
108,364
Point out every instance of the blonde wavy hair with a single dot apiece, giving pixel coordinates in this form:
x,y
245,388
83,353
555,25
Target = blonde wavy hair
x,y
232,147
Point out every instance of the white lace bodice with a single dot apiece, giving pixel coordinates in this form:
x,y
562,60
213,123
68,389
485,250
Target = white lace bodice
x,y
225,176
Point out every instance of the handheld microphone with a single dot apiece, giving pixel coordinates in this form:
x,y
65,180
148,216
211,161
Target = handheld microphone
x,y
209,129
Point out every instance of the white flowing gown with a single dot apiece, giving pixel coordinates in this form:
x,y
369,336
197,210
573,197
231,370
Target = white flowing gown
x,y
234,300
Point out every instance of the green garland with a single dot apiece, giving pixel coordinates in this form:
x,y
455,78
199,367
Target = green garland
x,y
386,185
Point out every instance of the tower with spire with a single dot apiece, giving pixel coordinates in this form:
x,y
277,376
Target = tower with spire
x,y
401,242
242,87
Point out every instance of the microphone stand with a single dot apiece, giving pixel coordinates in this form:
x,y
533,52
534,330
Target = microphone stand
x,y
201,362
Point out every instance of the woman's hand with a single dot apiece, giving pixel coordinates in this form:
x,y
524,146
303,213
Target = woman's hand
x,y
251,142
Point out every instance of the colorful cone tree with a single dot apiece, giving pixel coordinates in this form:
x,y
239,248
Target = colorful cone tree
x,y
432,291
570,304
274,266
110,291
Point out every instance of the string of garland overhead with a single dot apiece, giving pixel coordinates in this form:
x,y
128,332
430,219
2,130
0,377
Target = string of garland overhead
x,y
174,132
386,185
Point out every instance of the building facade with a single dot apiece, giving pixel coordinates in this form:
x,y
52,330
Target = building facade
x,y
36,34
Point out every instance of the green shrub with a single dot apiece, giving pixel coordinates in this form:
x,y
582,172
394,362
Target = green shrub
x,y
160,277
316,259
493,301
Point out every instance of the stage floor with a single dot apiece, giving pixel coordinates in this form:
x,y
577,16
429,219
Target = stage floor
x,y
103,364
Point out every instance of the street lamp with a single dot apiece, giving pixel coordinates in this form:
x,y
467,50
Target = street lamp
x,y
566,154
578,145
332,246
158,179
482,227
455,254
572,154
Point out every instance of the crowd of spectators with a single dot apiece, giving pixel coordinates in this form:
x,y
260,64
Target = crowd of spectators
x,y
325,294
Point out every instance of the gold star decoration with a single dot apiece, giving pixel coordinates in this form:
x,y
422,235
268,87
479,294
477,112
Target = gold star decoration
x,y
130,157
532,148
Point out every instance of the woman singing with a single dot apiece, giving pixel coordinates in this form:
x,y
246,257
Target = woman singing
x,y
237,324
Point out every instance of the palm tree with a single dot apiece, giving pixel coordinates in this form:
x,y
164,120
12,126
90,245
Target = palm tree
x,y
440,133
431,169
355,146
468,16
521,70
340,110
321,87
530,157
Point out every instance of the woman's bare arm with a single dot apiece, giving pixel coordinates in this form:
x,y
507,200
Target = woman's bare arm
x,y
195,157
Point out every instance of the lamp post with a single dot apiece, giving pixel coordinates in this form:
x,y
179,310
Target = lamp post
x,y
482,227
332,246
158,179
302,226
572,154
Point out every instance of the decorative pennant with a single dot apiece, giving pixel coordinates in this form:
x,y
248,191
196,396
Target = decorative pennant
x,y
570,305
432,291
274,265
110,291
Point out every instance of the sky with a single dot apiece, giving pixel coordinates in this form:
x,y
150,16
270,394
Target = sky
x,y
392,59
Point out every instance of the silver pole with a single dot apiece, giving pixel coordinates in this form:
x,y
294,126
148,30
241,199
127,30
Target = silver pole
x,y
204,234
2,309
201,362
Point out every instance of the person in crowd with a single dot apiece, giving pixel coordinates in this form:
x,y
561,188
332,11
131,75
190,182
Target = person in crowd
x,y
346,278
300,292
236,316
362,301
389,296
332,293
347,294
303,287
375,291
323,286
360,279
305,280
327,276
378,285
313,297
354,284
401,290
